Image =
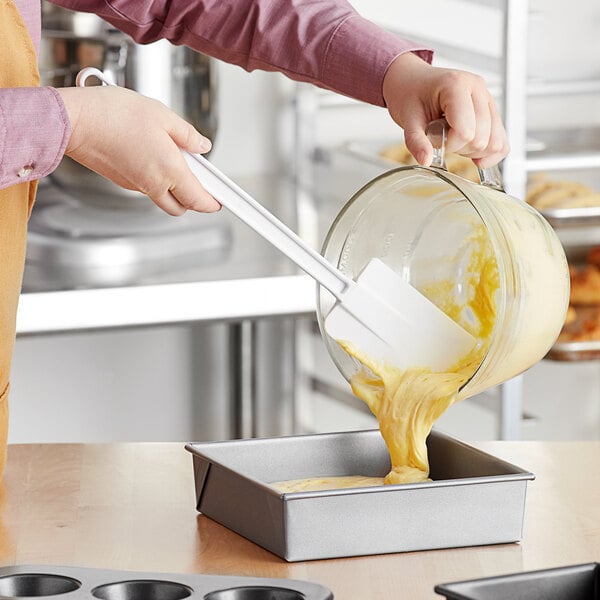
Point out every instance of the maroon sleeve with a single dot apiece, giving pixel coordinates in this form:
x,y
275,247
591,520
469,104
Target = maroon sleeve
x,y
324,42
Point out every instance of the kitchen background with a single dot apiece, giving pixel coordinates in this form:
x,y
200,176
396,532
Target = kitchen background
x,y
301,151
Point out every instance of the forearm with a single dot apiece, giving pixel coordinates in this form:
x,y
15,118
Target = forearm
x,y
321,42
34,131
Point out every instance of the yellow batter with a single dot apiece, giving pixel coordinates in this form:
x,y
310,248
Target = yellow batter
x,y
408,402
313,484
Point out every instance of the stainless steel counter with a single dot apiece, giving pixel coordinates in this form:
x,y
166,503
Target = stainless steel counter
x,y
247,278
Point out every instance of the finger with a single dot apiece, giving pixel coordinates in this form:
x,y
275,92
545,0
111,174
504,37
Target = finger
x,y
498,144
189,193
188,190
478,146
460,114
167,202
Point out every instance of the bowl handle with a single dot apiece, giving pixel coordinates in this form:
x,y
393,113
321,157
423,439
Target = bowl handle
x,y
437,132
491,177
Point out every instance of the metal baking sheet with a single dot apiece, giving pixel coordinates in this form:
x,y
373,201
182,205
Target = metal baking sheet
x,y
551,151
77,583
578,582
474,498
566,349
574,351
370,150
572,217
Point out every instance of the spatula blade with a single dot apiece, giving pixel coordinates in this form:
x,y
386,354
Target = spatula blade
x,y
390,321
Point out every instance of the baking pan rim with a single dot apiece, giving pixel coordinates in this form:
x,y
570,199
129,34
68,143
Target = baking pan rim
x,y
519,474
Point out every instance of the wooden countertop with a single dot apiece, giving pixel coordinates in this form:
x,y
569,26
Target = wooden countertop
x,y
131,507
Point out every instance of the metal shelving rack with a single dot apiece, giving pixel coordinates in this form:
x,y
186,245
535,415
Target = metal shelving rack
x,y
512,91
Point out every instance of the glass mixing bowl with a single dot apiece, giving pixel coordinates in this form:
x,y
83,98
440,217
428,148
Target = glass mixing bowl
x,y
429,226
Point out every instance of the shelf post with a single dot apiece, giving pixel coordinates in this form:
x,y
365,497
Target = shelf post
x,y
514,101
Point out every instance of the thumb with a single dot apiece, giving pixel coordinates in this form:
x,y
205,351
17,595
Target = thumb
x,y
419,145
415,138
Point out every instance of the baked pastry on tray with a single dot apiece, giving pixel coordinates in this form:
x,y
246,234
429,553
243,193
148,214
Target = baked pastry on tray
x,y
544,193
455,163
582,323
585,285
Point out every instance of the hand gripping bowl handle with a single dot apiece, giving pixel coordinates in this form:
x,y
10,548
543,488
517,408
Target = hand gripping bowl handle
x,y
437,133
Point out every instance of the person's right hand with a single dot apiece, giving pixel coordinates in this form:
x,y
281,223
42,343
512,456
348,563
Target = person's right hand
x,y
135,142
417,93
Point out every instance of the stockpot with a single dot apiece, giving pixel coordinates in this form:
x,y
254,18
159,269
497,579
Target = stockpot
x,y
428,224
181,78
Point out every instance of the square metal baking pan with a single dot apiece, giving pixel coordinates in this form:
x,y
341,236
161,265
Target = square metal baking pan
x,y
578,582
474,498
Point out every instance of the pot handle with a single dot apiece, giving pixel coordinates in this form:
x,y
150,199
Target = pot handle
x,y
437,132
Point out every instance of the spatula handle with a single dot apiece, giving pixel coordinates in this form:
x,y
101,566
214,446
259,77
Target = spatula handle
x,y
239,202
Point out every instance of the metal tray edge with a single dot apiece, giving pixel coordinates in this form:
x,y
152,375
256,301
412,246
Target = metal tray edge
x,y
452,593
520,474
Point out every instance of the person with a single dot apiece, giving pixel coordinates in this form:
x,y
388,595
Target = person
x,y
135,141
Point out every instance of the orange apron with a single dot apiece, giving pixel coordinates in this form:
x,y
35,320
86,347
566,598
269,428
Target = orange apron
x,y
18,68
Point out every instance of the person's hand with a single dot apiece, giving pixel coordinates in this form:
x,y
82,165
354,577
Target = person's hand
x,y
135,142
417,93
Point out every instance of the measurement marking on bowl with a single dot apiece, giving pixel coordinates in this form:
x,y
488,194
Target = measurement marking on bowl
x,y
387,242
346,252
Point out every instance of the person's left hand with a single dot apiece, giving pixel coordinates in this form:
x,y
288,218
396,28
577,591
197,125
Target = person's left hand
x,y
417,93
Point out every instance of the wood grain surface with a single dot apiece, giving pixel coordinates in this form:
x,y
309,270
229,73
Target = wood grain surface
x,y
132,507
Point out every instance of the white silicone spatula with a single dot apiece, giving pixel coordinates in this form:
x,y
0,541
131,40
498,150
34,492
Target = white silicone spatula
x,y
380,314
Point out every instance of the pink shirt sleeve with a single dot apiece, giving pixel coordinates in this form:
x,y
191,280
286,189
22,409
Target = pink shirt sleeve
x,y
34,131
324,42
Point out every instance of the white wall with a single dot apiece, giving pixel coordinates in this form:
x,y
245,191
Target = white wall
x,y
246,139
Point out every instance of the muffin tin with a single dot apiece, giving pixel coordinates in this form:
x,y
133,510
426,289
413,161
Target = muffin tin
x,y
475,498
74,583
578,582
